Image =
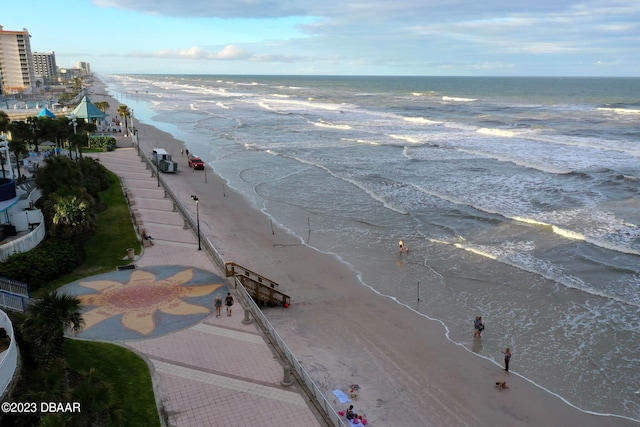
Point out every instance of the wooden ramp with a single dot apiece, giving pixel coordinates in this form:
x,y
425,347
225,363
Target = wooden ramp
x,y
261,289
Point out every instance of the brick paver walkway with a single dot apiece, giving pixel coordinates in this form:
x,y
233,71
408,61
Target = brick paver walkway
x,y
218,371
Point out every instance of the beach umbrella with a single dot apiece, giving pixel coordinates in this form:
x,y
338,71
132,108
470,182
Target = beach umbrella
x,y
47,113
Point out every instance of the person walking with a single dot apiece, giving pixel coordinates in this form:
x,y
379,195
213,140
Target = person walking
x,y
228,301
507,358
218,304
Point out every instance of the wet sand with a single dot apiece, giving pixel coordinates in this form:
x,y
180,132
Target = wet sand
x,y
344,333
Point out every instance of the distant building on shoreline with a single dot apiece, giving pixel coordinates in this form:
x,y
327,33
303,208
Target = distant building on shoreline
x,y
16,62
85,68
45,66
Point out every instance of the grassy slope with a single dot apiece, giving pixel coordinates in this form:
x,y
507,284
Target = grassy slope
x,y
128,373
125,370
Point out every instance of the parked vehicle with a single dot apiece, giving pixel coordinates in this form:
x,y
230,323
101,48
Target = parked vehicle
x,y
163,161
196,163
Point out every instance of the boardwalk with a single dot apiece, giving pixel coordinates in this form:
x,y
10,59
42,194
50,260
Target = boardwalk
x,y
208,370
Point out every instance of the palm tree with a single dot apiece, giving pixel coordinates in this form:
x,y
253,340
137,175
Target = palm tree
x,y
123,111
49,317
33,123
62,130
98,400
56,420
78,141
58,175
42,128
4,121
77,84
72,218
102,105
21,132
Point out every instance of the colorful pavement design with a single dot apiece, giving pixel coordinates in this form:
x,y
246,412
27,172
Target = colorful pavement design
x,y
145,303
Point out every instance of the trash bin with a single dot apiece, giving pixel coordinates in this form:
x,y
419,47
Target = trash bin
x,y
131,253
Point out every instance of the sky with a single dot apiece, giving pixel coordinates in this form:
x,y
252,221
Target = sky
x,y
336,37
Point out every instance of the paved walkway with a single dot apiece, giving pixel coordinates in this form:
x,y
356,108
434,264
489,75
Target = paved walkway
x,y
208,370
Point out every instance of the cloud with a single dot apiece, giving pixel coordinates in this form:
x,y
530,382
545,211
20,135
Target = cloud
x,y
409,34
492,66
212,8
229,53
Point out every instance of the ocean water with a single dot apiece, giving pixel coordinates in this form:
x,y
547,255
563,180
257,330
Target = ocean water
x,y
518,198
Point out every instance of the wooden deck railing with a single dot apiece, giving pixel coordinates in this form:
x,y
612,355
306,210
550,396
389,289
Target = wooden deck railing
x,y
264,290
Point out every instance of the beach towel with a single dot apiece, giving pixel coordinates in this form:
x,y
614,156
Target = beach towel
x,y
342,396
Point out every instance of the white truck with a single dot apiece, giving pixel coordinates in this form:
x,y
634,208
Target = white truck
x,y
163,161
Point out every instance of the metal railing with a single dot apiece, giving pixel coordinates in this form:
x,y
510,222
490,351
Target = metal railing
x,y
315,395
304,379
14,286
13,301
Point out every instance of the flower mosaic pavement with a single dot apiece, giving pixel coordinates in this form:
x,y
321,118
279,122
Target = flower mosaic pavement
x,y
144,303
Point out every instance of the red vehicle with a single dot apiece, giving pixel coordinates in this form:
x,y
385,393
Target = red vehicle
x,y
196,163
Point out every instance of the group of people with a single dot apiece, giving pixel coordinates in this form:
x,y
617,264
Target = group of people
x,y
403,247
228,302
478,327
354,418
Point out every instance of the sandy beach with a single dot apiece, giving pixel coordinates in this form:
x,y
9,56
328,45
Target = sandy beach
x,y
343,333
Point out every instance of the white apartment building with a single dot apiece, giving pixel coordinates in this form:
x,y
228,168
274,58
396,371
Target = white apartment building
x,y
16,62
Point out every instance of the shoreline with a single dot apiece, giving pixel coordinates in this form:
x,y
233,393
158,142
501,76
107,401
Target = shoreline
x,y
343,333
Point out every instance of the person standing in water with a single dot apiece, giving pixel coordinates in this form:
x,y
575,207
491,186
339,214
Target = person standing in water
x,y
401,244
507,358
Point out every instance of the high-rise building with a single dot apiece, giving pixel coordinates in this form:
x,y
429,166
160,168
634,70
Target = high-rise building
x,y
16,61
85,67
45,65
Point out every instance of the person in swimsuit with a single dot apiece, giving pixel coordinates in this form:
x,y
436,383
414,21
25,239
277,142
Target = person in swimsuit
x,y
507,358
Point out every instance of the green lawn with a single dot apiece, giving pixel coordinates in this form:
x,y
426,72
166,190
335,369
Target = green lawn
x,y
115,233
122,368
125,370
107,249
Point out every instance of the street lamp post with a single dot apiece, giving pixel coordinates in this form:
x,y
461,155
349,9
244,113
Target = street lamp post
x,y
134,134
73,122
195,198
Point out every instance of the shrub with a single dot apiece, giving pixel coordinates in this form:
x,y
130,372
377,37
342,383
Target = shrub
x,y
52,259
102,141
95,177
